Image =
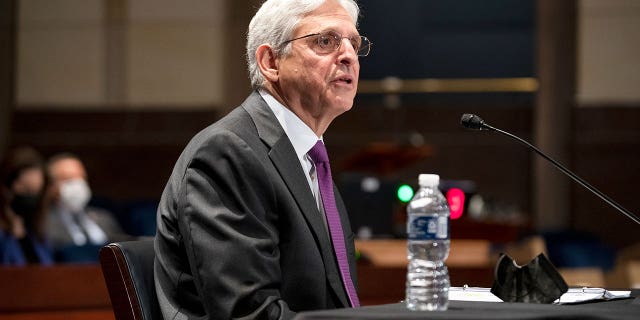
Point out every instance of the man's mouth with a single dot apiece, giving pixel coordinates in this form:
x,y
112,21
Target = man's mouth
x,y
345,79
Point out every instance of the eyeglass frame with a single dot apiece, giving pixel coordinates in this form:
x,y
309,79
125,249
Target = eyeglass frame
x,y
335,35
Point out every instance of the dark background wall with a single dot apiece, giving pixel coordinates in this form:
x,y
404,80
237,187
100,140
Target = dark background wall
x,y
449,39
129,155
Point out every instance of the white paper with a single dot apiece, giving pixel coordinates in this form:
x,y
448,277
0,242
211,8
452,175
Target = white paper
x,y
573,295
576,295
472,294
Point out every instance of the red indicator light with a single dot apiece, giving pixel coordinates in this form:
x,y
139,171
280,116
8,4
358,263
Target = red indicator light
x,y
455,198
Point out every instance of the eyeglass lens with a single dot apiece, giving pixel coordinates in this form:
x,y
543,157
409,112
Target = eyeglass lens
x,y
330,41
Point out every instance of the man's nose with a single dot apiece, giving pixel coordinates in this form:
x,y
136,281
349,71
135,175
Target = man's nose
x,y
347,52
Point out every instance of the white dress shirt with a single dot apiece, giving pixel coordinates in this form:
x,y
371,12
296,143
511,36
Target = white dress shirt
x,y
302,138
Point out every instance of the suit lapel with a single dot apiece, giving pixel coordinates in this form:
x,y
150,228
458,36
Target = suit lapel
x,y
283,157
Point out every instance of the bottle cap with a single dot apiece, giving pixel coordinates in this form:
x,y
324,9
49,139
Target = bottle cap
x,y
428,180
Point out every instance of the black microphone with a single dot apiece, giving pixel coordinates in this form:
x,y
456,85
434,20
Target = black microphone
x,y
473,122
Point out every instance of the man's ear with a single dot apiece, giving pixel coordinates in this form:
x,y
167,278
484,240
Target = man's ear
x,y
267,63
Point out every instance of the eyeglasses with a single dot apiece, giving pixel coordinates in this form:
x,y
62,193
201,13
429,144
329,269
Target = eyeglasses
x,y
330,41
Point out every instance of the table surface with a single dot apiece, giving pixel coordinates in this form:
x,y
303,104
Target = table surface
x,y
464,310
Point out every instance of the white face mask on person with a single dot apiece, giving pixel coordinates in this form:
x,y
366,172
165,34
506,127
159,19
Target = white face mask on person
x,y
74,194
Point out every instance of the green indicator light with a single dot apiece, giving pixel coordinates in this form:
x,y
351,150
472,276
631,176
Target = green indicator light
x,y
405,193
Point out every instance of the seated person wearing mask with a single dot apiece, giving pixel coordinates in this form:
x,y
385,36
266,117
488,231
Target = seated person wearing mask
x,y
71,223
22,238
250,225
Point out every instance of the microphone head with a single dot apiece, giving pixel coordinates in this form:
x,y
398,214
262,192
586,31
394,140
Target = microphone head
x,y
471,121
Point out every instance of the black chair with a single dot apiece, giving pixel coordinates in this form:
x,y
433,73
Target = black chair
x,y
128,272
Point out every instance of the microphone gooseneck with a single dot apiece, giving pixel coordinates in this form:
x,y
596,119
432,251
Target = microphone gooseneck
x,y
473,122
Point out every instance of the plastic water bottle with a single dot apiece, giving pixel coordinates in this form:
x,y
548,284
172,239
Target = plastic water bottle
x,y
428,247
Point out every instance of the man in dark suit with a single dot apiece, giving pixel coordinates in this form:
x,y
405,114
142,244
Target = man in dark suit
x,y
248,226
74,228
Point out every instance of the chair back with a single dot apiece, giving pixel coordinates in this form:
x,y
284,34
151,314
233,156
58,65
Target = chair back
x,y
128,272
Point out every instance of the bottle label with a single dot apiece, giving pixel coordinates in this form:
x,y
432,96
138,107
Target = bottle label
x,y
428,228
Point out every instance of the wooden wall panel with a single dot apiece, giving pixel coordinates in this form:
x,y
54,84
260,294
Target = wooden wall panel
x,y
130,154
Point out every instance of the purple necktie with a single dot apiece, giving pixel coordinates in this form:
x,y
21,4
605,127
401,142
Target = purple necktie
x,y
319,156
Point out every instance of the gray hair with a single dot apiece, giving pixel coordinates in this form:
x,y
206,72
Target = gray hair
x,y
274,24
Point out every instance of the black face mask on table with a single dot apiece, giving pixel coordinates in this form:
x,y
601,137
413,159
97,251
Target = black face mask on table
x,y
536,282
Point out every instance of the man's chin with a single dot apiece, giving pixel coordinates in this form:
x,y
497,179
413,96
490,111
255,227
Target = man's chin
x,y
344,103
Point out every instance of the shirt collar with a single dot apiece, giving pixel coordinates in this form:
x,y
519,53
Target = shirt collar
x,y
301,136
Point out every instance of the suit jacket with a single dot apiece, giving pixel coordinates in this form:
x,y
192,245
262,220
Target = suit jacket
x,y
239,232
60,237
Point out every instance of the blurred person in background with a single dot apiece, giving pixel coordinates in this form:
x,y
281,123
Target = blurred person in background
x,y
22,217
75,229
